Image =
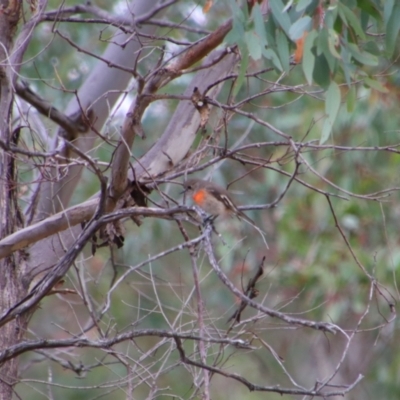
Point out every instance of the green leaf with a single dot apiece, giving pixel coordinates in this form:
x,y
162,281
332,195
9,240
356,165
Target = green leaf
x,y
237,11
270,29
308,56
253,44
387,10
236,34
323,47
297,29
321,71
271,55
351,3
243,68
283,50
350,20
330,16
332,105
369,8
332,102
282,18
322,41
372,47
392,29
351,98
333,41
259,25
364,20
374,84
302,4
347,66
362,56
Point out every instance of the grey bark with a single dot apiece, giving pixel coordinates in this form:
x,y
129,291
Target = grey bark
x,y
11,288
99,93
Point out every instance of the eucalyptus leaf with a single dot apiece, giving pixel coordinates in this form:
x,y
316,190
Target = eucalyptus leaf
x,y
259,25
387,10
243,68
302,4
236,34
392,29
368,7
332,105
322,41
271,55
362,56
253,44
282,18
347,65
372,47
333,41
283,50
350,19
308,56
374,84
321,74
351,98
299,27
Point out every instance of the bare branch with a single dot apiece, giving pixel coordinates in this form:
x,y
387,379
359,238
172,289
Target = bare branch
x,y
47,109
322,326
105,343
259,388
132,124
72,217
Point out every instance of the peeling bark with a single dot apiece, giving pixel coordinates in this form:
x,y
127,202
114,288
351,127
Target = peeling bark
x,y
11,288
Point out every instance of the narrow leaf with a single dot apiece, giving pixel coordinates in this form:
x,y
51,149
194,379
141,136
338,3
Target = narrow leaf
x,y
283,50
387,10
253,44
321,71
302,4
351,98
362,56
332,105
351,20
308,56
392,29
333,41
259,25
370,8
236,34
332,102
271,55
282,18
243,68
374,84
297,29
347,65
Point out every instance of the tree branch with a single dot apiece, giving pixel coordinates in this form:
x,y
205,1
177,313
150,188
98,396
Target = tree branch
x,y
104,343
47,109
72,217
133,126
259,388
322,326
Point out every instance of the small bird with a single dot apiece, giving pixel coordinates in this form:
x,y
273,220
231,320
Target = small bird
x,y
213,199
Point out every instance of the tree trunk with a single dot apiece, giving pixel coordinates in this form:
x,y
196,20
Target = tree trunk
x,y
11,268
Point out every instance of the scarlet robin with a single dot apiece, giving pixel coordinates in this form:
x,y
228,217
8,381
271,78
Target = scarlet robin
x,y
213,199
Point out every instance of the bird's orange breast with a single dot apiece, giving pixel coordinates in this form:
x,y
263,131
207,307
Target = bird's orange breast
x,y
199,196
